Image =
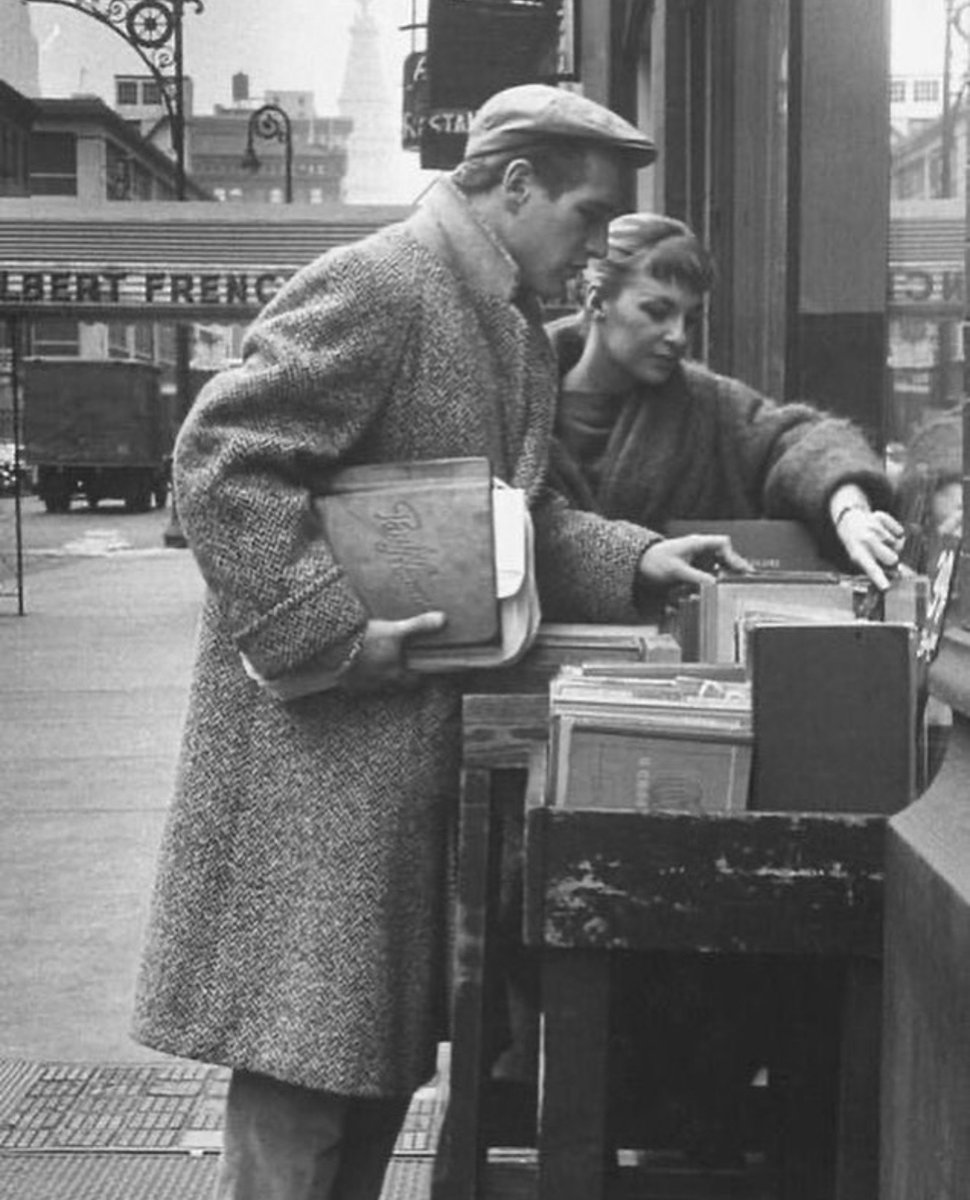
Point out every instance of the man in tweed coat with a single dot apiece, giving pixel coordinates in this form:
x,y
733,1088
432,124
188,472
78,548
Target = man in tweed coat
x,y
297,926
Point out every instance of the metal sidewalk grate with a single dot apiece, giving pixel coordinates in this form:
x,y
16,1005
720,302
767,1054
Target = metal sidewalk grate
x,y
74,1106
78,1131
100,1176
178,1107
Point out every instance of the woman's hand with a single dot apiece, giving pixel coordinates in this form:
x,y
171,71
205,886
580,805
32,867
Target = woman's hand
x,y
872,540
671,561
381,662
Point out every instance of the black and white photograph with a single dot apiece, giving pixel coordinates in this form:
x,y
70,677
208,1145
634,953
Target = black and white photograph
x,y
484,612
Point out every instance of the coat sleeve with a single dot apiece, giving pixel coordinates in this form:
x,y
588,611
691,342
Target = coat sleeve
x,y
261,441
587,564
795,455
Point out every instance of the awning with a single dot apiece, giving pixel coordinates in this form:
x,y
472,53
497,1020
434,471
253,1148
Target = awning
x,y
164,260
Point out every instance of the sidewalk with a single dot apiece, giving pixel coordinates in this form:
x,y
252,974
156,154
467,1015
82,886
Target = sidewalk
x,y
93,683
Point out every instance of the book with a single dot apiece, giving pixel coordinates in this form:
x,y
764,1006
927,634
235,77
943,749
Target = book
x,y
724,604
834,716
657,737
440,535
559,643
769,545
516,593
414,537
632,766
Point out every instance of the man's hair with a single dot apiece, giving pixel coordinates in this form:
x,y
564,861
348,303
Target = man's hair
x,y
665,248
559,165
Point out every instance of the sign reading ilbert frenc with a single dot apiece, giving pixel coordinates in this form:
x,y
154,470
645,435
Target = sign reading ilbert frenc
x,y
164,260
75,288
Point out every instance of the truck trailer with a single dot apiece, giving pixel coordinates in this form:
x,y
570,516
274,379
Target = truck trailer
x,y
99,430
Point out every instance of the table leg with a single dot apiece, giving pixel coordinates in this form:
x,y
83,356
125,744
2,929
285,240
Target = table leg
x,y
857,1162
573,1080
462,1151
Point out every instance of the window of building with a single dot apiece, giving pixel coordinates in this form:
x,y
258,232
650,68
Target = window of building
x,y
316,195
118,340
127,91
55,337
151,93
141,182
897,91
927,90
166,343
53,166
117,173
144,341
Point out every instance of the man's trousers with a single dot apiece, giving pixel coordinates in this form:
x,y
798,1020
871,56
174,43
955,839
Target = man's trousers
x,y
283,1142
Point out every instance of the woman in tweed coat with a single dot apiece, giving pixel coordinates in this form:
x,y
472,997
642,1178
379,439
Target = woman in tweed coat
x,y
297,926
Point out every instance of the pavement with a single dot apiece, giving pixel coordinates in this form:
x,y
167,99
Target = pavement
x,y
93,686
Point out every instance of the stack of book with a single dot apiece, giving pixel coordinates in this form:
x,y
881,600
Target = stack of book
x,y
651,737
432,535
729,607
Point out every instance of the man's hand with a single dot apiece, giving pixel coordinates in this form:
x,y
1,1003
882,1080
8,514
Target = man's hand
x,y
671,561
381,662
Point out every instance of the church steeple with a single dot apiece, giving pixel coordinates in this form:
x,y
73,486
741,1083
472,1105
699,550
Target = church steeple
x,y
367,99
19,54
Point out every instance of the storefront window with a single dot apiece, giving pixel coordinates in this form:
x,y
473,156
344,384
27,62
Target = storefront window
x,y
53,164
926,376
59,338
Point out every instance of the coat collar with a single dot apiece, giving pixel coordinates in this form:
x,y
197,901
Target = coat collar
x,y
448,224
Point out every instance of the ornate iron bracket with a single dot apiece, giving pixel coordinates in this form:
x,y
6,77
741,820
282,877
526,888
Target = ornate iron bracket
x,y
153,29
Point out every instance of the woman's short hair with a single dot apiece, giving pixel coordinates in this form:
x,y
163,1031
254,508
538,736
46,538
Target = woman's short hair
x,y
558,166
666,248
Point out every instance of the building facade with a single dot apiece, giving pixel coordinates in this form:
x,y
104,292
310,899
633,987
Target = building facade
x,y
78,153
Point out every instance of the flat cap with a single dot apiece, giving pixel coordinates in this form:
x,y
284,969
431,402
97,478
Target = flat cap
x,y
519,116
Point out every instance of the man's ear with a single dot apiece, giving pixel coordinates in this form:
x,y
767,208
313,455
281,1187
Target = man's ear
x,y
594,301
517,182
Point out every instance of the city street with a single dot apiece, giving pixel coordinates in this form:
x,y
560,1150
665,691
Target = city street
x,y
93,688
52,539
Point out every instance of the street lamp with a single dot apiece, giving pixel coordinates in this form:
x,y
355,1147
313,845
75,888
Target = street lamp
x,y
270,123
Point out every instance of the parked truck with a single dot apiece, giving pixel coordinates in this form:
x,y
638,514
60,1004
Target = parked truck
x,y
97,429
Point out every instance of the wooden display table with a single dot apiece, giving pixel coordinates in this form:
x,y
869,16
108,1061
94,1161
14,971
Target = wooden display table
x,y
804,886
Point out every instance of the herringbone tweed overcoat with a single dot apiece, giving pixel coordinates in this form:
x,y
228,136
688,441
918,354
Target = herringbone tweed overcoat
x,y
297,926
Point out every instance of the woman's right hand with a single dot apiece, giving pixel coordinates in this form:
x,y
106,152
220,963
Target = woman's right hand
x,y
671,560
